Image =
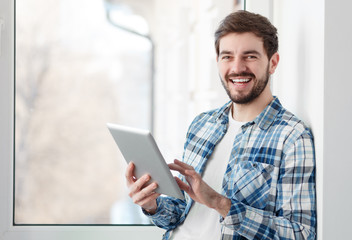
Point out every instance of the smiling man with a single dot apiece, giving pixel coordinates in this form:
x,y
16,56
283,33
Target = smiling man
x,y
248,169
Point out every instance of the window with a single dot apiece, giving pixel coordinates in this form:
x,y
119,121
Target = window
x,y
180,57
9,230
74,73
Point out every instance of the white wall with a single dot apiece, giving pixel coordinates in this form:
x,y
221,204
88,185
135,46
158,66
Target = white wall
x,y
337,188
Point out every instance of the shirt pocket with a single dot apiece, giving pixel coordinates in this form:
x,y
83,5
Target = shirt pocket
x,y
252,181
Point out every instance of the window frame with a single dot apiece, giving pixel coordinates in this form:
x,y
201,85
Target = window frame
x,y
8,230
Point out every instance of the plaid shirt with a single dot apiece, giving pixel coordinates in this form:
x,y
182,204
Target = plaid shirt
x,y
270,177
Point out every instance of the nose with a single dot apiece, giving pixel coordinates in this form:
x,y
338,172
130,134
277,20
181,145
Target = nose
x,y
238,65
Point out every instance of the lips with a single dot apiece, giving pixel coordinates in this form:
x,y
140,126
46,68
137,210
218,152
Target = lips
x,y
241,78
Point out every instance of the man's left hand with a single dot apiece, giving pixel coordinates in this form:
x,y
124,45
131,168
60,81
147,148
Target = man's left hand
x,y
199,190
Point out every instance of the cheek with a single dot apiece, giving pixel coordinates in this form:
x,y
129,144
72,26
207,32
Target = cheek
x,y
222,69
258,70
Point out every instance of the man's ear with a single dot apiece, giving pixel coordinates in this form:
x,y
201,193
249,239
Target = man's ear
x,y
274,61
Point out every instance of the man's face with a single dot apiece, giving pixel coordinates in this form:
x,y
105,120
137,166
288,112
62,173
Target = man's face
x,y
244,66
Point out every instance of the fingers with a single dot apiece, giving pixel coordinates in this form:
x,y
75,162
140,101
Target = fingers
x,y
146,196
175,167
146,202
141,191
138,184
129,174
182,168
182,185
183,165
135,185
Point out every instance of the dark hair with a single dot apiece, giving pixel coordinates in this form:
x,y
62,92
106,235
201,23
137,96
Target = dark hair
x,y
243,21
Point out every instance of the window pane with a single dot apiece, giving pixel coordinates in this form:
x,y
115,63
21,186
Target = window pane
x,y
74,73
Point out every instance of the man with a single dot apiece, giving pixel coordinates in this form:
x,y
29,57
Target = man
x,y
248,167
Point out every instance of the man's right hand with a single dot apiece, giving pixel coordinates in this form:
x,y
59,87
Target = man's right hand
x,y
141,193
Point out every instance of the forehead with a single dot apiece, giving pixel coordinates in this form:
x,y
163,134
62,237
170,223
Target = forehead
x,y
241,42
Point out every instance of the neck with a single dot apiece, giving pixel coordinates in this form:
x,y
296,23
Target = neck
x,y
249,111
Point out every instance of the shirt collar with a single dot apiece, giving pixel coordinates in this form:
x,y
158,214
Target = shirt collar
x,y
222,114
264,120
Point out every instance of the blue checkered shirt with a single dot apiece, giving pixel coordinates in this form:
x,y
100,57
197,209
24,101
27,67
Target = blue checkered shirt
x,y
270,176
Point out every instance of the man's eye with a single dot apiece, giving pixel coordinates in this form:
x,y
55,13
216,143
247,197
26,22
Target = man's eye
x,y
251,57
226,57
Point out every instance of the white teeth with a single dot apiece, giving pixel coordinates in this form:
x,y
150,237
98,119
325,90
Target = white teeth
x,y
240,80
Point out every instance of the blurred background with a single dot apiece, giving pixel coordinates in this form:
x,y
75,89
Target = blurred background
x,y
80,64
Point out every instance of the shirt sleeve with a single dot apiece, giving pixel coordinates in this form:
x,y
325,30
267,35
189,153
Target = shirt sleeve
x,y
295,206
168,213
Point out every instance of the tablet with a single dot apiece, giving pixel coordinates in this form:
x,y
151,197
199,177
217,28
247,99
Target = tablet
x,y
139,146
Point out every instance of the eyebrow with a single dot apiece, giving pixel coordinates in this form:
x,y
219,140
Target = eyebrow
x,y
255,52
252,52
225,52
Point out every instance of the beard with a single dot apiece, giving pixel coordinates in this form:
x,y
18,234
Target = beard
x,y
257,89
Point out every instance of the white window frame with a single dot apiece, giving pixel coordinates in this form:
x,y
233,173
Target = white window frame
x,y
7,228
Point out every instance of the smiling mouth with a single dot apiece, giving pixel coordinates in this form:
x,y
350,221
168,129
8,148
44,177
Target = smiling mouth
x,y
240,80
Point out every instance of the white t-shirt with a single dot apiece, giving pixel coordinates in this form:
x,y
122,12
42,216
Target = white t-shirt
x,y
203,223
